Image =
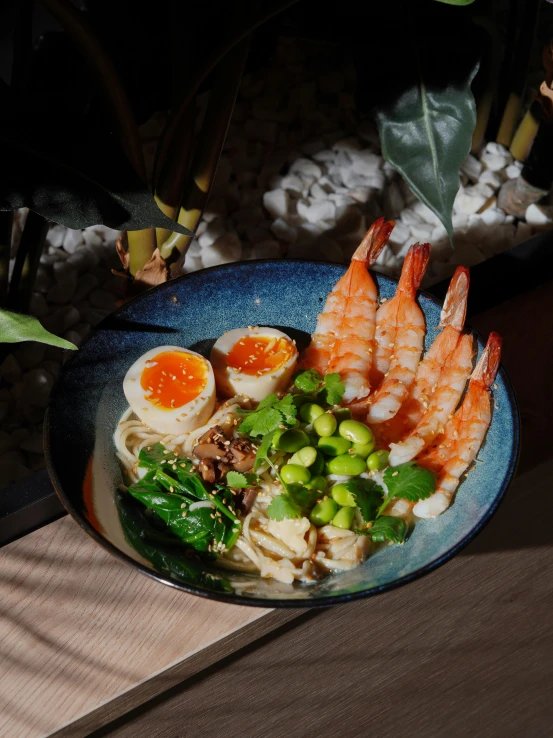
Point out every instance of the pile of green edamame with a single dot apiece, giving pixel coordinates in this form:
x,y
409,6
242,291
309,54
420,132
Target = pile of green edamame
x,y
325,443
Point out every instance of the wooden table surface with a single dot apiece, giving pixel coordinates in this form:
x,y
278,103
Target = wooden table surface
x,y
465,650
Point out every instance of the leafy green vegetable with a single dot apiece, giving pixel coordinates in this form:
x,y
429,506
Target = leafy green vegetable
x,y
303,496
15,328
333,390
161,549
386,528
282,507
152,457
269,415
237,480
409,482
368,497
308,381
262,455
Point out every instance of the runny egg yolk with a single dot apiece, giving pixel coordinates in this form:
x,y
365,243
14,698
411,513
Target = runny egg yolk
x,y
257,355
173,378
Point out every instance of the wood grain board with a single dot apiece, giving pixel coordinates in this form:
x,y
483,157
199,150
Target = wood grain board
x,y
83,634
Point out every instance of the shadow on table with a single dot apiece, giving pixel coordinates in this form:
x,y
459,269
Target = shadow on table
x,y
524,518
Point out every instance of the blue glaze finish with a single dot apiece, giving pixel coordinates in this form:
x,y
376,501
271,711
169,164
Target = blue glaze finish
x,y
193,311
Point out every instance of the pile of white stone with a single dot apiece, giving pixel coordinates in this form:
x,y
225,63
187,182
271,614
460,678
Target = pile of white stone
x,y
300,177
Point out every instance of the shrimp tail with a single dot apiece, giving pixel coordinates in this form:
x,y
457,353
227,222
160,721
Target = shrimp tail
x,y
374,241
413,269
487,367
455,306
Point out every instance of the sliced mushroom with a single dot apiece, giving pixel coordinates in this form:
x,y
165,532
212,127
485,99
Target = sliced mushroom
x,y
248,498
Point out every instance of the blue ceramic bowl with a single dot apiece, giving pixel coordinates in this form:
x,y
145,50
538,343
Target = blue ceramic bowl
x,y
193,311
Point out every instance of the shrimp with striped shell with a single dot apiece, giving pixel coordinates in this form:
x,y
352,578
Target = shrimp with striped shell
x,y
343,340
441,377
456,448
400,330
452,320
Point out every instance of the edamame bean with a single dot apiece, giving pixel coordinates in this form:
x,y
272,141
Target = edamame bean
x,y
292,440
378,460
318,482
276,437
334,445
317,466
343,518
355,432
295,474
323,512
325,425
342,413
307,455
347,464
310,412
342,495
363,449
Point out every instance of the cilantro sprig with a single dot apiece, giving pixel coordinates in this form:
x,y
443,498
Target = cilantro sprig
x,y
269,415
329,389
240,480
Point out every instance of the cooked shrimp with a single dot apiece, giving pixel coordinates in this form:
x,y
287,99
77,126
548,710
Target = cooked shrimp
x,y
441,377
343,340
455,450
427,378
403,319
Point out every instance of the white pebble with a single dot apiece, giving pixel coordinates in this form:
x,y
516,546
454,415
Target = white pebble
x,y
29,354
361,194
52,367
493,179
409,217
276,203
326,155
494,162
425,213
399,234
317,210
91,236
10,369
307,168
366,163
73,239
493,217
69,316
102,299
266,250
37,384
42,282
226,249
215,230
472,167
63,271
393,201
284,231
73,337
512,171
292,183
56,235
421,231
468,202
85,284
38,305
92,316
539,215
61,293
83,259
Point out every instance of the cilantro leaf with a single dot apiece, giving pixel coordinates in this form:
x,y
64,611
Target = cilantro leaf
x,y
386,528
262,454
409,482
302,496
261,422
333,390
237,480
268,401
287,407
282,507
368,496
308,381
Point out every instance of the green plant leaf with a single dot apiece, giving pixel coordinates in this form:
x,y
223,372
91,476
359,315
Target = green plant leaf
x,y
426,133
15,328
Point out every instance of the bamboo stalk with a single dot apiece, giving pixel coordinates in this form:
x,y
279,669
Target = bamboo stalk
x,y
6,222
210,144
26,262
526,133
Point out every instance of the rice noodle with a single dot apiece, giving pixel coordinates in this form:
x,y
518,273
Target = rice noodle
x,y
270,553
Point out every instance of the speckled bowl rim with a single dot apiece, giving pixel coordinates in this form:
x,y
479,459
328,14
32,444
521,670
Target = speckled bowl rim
x,y
306,602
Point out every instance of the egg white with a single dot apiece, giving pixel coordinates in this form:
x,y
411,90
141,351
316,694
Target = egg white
x,y
231,382
174,420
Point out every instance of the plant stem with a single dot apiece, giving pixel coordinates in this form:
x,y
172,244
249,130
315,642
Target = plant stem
x,y
26,262
237,33
141,245
210,144
526,132
6,222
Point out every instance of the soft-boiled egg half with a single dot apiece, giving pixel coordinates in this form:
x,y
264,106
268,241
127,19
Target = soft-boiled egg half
x,y
253,362
171,389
